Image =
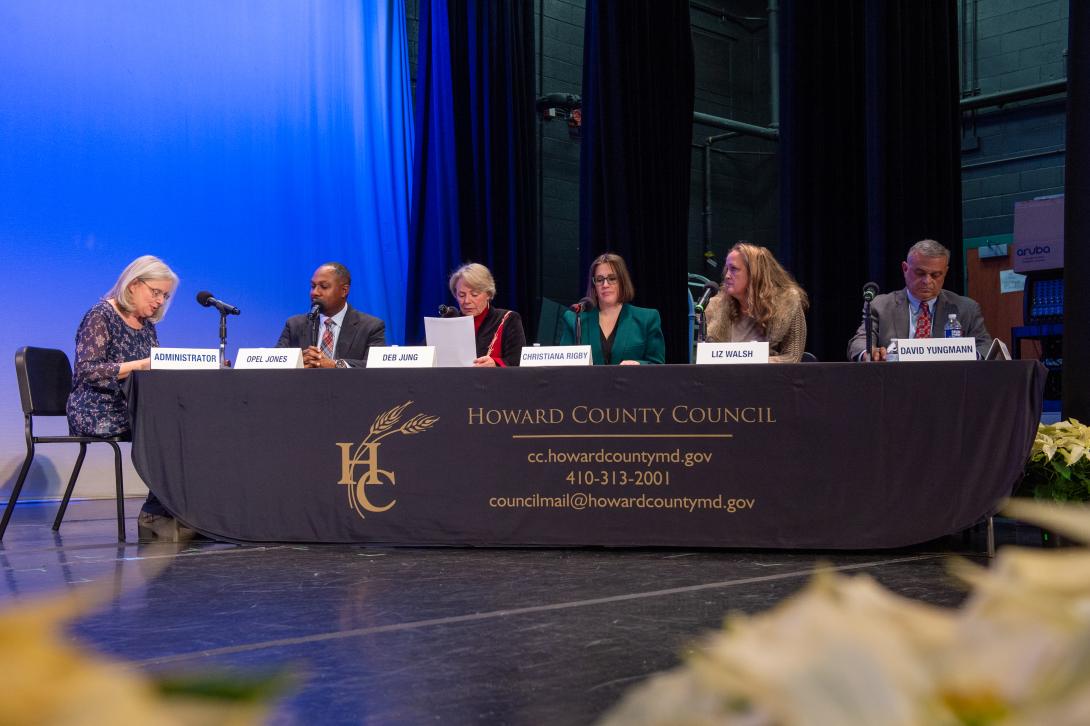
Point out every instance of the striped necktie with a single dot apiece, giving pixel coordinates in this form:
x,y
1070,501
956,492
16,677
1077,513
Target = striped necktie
x,y
327,338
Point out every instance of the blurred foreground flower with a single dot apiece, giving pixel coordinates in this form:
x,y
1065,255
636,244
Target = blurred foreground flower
x,y
845,651
48,680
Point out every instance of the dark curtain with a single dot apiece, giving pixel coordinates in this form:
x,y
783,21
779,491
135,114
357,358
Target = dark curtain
x,y
870,149
474,186
434,229
634,168
492,46
1076,345
823,223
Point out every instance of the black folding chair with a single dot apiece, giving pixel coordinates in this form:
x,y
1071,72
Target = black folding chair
x,y
45,380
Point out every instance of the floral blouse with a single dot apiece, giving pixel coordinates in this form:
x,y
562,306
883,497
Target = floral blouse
x,y
96,406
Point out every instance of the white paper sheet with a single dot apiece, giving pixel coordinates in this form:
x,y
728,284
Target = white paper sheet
x,y
1011,281
454,339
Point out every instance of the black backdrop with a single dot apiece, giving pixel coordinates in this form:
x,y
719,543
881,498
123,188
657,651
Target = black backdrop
x,y
870,149
492,50
473,165
1076,351
634,168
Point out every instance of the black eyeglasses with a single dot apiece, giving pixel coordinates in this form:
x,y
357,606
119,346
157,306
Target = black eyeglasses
x,y
605,279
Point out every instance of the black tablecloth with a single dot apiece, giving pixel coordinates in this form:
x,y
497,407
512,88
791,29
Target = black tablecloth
x,y
812,455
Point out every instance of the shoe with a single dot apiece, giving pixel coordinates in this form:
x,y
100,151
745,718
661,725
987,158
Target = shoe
x,y
161,528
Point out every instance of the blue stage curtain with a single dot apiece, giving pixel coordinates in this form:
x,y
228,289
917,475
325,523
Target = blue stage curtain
x,y
634,170
243,142
869,150
474,165
434,233
384,136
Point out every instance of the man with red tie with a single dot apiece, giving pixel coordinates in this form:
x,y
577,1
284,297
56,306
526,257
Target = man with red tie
x,y
344,333
922,308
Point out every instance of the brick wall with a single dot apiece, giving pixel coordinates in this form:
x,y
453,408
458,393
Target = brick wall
x,y
732,81
731,57
1013,153
559,29
1010,154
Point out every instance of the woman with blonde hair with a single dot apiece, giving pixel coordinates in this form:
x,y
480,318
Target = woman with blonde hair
x,y
114,339
617,331
759,301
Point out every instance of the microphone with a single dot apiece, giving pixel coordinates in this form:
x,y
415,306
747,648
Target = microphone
x,y
710,289
869,291
446,311
312,318
584,304
205,298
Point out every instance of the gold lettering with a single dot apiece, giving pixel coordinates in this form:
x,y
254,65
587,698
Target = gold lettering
x,y
366,454
515,416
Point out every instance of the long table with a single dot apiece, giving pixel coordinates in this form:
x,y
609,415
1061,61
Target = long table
x,y
813,455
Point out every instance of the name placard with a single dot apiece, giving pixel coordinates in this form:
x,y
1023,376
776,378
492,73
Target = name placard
x,y
185,359
555,355
729,353
269,358
917,349
401,356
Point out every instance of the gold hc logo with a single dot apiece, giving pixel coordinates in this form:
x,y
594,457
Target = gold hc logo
x,y
365,454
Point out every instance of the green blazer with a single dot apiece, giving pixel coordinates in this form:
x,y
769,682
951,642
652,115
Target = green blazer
x,y
638,336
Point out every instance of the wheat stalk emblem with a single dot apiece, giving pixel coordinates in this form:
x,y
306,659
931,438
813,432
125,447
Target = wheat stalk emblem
x,y
386,423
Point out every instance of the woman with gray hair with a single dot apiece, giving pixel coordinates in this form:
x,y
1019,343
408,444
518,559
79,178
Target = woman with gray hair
x,y
500,336
114,339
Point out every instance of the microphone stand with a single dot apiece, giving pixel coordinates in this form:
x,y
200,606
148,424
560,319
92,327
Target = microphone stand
x,y
868,325
579,325
223,339
701,327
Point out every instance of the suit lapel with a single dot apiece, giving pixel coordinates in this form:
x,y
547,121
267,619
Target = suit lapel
x,y
591,334
622,341
942,309
349,329
900,315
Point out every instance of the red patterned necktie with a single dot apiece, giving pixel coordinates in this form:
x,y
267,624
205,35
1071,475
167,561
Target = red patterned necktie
x,y
923,322
327,338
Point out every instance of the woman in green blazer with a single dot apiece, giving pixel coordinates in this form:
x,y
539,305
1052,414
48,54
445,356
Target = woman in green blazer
x,y
618,333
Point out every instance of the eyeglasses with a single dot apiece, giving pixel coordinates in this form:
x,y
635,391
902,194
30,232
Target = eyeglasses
x,y
605,280
156,293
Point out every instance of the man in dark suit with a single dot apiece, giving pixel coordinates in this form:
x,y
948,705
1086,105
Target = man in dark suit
x,y
922,308
344,334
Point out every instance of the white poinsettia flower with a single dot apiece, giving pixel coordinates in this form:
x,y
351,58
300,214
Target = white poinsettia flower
x,y
845,651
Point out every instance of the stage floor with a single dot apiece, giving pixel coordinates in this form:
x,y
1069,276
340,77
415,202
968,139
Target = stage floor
x,y
410,636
